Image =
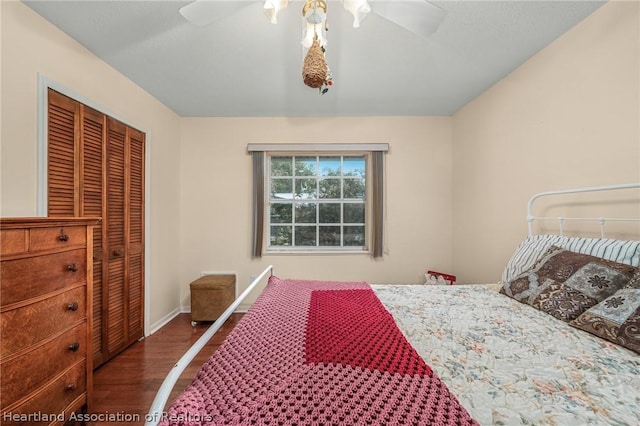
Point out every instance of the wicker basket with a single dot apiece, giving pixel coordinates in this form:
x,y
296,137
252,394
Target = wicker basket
x,y
314,70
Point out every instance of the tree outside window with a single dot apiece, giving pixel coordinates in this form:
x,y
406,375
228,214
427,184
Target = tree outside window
x,y
317,202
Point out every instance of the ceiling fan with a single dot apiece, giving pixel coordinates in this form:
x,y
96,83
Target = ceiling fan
x,y
420,17
417,16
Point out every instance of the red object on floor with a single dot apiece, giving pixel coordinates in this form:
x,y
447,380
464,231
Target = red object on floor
x,y
447,277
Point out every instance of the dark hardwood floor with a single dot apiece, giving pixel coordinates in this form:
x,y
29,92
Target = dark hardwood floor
x,y
124,388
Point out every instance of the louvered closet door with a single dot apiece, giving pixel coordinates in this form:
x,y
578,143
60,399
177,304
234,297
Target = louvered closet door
x,y
125,242
75,182
94,131
135,244
96,169
115,254
63,125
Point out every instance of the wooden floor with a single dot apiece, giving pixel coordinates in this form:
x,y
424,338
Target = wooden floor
x,y
124,388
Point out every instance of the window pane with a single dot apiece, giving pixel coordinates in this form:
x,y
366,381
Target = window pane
x,y
305,236
329,188
354,236
305,212
329,236
281,166
330,166
354,188
305,189
353,213
281,236
281,213
306,166
329,213
354,166
317,201
282,189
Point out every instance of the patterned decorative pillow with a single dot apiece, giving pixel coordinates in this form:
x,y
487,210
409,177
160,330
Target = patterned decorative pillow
x,y
565,284
529,250
617,318
635,281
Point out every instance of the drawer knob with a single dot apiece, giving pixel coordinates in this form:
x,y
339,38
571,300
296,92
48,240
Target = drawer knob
x,y
118,253
63,237
70,387
72,267
74,346
73,306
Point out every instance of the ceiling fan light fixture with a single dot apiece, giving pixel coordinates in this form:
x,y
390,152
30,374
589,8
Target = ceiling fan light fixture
x,y
313,31
358,8
314,19
272,7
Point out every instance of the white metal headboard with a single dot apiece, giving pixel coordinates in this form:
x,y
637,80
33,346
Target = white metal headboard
x,y
561,220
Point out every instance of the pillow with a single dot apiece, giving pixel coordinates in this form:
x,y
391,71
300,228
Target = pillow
x,y
530,249
617,319
635,281
565,284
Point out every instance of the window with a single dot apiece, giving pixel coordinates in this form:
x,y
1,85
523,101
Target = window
x,y
317,202
318,197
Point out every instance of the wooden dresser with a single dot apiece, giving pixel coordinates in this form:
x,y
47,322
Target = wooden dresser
x,y
45,321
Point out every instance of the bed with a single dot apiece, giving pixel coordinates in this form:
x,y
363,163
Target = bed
x,y
556,342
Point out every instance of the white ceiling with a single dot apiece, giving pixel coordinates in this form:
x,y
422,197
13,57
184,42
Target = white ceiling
x,y
244,66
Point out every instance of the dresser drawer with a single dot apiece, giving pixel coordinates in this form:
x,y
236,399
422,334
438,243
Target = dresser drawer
x,y
52,238
22,279
13,241
21,375
30,324
50,401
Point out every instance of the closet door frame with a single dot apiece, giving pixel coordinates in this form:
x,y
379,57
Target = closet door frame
x,y
44,84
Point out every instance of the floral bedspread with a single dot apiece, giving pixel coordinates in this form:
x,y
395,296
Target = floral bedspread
x,y
510,364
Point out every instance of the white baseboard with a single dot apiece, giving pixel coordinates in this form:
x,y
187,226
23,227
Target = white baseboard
x,y
164,320
182,310
241,309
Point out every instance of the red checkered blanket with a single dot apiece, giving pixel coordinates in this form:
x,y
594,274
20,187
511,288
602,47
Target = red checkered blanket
x,y
316,353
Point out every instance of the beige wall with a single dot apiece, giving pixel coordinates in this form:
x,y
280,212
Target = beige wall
x,y
32,46
216,197
569,117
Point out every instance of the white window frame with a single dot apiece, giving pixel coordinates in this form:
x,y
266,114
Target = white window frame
x,y
269,249
374,211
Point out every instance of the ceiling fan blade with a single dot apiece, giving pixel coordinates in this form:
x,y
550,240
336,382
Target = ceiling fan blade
x,y
205,12
418,16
